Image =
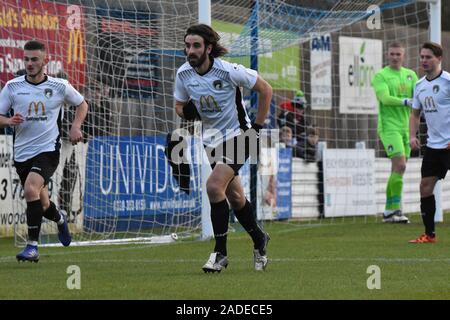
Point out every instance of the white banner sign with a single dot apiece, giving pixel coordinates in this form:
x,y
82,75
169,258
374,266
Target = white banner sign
x,y
349,182
321,90
13,204
359,60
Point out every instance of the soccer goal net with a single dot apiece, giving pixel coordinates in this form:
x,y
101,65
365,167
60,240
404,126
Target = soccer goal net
x,y
122,56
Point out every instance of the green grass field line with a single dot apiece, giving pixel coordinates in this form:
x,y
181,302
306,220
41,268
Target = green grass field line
x,y
326,259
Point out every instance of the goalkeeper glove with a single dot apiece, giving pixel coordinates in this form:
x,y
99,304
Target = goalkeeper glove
x,y
407,102
190,111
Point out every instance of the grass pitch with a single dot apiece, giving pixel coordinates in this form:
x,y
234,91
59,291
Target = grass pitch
x,y
317,260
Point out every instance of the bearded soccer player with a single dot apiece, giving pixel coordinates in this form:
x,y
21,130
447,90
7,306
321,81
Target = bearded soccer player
x,y
432,97
36,101
394,87
213,86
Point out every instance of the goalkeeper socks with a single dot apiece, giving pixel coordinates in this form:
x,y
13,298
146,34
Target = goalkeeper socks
x,y
34,219
247,220
220,214
52,214
394,191
428,209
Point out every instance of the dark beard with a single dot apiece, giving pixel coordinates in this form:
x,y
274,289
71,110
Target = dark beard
x,y
199,61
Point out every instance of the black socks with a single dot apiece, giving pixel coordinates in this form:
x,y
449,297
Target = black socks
x,y
248,221
34,219
52,213
428,210
220,214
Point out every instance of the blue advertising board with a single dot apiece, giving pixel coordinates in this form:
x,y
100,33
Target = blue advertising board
x,y
129,185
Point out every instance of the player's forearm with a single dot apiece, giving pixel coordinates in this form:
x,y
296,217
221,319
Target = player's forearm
x,y
264,99
80,115
414,123
4,122
179,109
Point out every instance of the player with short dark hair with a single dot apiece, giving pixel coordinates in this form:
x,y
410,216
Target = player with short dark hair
x,y
432,97
213,87
393,87
36,100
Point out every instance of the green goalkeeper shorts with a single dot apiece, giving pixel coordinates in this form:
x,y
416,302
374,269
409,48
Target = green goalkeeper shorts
x,y
396,143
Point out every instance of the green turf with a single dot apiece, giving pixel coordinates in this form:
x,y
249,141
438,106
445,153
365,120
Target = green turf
x,y
318,260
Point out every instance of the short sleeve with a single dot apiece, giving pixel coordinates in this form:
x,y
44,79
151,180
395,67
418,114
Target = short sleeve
x,y
416,101
5,100
180,92
72,96
242,76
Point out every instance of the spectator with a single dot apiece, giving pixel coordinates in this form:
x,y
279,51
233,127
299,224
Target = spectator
x,y
292,114
100,114
286,137
307,144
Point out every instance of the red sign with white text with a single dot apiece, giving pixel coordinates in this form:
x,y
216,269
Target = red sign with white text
x,y
60,27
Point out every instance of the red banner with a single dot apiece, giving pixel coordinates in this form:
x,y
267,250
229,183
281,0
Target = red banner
x,y
60,27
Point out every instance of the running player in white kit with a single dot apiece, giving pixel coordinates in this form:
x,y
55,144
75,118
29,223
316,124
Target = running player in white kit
x,y
36,101
213,87
432,97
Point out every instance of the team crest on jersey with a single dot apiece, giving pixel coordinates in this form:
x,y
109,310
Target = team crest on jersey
x,y
217,84
435,89
390,148
409,77
48,93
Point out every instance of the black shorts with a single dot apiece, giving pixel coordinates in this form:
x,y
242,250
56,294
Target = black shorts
x,y
233,152
43,164
435,163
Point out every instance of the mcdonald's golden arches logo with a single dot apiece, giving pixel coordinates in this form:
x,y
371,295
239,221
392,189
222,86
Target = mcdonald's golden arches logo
x,y
209,104
76,47
36,106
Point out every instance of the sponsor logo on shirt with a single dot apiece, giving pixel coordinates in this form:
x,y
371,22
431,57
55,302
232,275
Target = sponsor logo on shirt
x,y
39,111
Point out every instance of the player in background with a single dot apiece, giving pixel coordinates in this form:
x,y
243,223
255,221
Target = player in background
x,y
432,97
36,101
213,85
394,87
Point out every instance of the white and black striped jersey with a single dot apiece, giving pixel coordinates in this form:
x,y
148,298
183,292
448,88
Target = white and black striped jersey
x,y
218,98
41,106
433,98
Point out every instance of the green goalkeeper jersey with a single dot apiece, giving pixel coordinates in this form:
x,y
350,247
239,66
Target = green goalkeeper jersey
x,y
392,87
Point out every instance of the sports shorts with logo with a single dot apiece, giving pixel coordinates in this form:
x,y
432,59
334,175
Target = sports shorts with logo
x,y
435,163
233,152
43,164
396,143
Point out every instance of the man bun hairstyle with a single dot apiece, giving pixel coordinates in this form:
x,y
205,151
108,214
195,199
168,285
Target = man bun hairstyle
x,y
210,37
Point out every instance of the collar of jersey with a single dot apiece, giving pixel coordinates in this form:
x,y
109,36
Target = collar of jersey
x,y
36,84
440,73
209,68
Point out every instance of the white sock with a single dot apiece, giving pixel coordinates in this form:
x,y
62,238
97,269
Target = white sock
x,y
32,243
61,221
